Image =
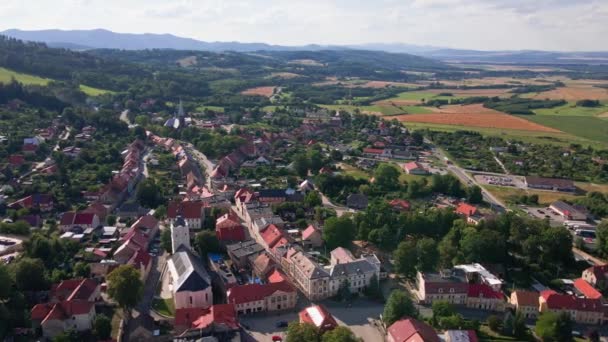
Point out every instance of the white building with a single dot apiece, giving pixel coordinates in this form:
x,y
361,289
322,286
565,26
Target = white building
x,y
180,234
190,282
485,277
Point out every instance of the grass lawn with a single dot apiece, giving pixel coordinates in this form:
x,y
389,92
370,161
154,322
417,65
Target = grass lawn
x,y
486,334
506,194
354,172
94,91
570,109
589,187
587,127
6,76
405,177
164,307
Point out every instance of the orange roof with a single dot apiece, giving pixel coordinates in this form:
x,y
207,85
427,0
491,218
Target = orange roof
x,y
307,233
276,276
466,209
586,289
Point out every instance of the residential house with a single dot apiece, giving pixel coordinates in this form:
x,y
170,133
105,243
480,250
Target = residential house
x,y
240,252
585,289
310,277
378,153
217,319
250,298
581,310
312,237
411,330
42,202
476,273
358,274
357,201
228,228
192,213
16,160
400,205
341,255
597,276
191,284
318,316
262,264
470,212
415,168
71,151
525,302
72,219
484,297
98,209
461,336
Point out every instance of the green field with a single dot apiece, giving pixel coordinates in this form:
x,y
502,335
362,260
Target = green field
x,y
421,95
212,108
94,91
562,139
588,127
571,109
383,109
7,75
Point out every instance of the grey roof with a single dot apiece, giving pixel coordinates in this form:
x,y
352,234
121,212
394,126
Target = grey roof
x,y
245,248
192,275
360,266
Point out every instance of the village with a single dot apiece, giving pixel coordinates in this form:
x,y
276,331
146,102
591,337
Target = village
x,y
261,237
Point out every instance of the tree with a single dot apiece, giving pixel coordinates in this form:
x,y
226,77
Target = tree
x,y
494,323
312,199
442,308
602,237
428,255
149,194
373,290
406,258
398,305
30,275
82,269
165,240
111,220
207,242
474,195
302,332
315,160
301,165
338,232
519,325
553,327
103,327
340,334
387,177
125,286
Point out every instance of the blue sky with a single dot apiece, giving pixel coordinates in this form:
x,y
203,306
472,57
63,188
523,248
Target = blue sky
x,y
470,24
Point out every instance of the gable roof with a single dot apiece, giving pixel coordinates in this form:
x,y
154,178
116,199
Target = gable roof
x,y
73,289
200,318
558,301
309,231
527,298
404,330
254,292
191,274
318,316
342,255
61,311
483,291
187,209
466,209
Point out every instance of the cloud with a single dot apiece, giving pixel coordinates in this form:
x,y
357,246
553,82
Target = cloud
x,y
477,24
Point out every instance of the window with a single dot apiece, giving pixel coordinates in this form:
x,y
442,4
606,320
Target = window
x,y
190,299
440,290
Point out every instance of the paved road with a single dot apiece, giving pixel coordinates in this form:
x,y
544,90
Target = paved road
x,y
208,166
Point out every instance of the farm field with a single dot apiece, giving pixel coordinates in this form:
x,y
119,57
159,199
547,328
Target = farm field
x,y
91,91
259,91
587,127
460,93
212,108
380,110
7,75
573,92
359,83
284,75
571,109
476,116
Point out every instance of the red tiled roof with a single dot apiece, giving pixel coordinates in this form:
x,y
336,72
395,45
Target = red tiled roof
x,y
98,209
412,166
146,221
318,316
307,233
61,311
276,276
466,209
200,318
253,292
558,301
187,209
140,258
72,289
405,330
527,298
373,150
271,235
400,203
586,289
67,218
484,291
16,159
84,218
229,220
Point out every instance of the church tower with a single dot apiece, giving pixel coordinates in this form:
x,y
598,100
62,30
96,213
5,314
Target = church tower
x,y
180,234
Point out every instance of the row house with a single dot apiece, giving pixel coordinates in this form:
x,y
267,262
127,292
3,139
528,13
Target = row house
x,y
581,310
42,202
220,319
228,228
597,276
70,220
444,286
484,297
309,276
525,302
251,298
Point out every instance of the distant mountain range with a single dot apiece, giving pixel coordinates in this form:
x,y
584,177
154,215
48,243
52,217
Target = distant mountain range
x,y
104,39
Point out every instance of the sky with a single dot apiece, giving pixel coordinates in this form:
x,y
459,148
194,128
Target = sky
x,y
559,25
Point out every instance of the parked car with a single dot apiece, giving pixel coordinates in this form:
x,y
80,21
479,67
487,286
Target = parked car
x,y
277,338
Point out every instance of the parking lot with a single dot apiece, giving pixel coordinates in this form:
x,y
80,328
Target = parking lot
x,y
544,213
500,180
361,317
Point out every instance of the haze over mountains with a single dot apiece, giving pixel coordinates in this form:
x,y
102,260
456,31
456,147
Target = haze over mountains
x,y
105,39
